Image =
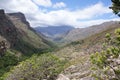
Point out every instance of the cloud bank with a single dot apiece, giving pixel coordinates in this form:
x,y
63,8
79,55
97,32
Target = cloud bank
x,y
37,13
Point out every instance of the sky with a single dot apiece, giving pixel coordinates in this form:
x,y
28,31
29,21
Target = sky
x,y
75,13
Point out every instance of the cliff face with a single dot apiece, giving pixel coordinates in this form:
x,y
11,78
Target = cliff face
x,y
15,29
7,29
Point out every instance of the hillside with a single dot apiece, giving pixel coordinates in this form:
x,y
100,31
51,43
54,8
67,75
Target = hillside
x,y
78,55
82,33
21,37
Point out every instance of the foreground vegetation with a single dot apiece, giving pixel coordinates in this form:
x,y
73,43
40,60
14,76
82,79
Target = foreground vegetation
x,y
108,61
45,66
9,60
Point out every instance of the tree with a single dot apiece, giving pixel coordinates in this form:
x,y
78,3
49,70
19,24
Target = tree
x,y
108,60
116,7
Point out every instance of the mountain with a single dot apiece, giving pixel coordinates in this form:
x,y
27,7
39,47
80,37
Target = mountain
x,y
54,32
71,62
82,33
15,29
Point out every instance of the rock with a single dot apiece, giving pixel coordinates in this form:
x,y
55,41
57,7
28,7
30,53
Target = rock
x,y
87,78
62,77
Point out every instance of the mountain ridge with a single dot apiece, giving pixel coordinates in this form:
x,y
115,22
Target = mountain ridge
x,y
82,33
16,30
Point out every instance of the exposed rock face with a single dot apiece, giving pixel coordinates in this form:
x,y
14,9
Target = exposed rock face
x,y
19,16
7,29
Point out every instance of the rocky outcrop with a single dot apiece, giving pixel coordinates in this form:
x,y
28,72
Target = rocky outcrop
x,y
62,77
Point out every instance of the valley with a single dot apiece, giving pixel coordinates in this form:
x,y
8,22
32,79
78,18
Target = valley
x,y
46,45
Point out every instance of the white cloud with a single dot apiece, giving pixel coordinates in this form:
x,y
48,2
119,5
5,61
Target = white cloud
x,y
25,6
94,22
91,11
73,18
39,17
59,5
45,3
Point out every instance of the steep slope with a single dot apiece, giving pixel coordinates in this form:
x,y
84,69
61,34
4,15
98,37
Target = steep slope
x,y
7,29
17,31
82,33
54,32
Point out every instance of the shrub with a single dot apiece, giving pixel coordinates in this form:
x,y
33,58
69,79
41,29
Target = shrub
x,y
7,61
46,66
107,60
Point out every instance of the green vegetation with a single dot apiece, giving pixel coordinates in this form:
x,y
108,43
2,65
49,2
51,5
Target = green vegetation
x,y
77,42
107,61
45,66
116,7
28,50
8,61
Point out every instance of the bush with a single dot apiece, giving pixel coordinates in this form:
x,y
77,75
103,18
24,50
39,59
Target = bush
x,y
45,66
107,60
7,61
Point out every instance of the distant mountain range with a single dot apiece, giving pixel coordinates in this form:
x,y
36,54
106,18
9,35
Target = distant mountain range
x,y
67,34
54,32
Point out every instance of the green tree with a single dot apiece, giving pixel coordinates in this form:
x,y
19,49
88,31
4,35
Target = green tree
x,y
116,7
108,60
